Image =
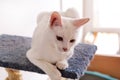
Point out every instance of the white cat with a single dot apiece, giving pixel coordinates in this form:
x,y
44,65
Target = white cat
x,y
54,40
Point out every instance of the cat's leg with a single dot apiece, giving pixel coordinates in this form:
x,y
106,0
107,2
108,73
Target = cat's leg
x,y
63,64
48,68
72,79
61,79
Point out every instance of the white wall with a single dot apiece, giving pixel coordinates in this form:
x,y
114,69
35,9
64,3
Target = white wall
x,y
18,17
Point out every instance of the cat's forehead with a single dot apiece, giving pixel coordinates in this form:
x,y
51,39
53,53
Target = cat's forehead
x,y
67,26
67,30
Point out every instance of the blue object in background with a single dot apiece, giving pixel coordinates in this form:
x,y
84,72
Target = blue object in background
x,y
101,75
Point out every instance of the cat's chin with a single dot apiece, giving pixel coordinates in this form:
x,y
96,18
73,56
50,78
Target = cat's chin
x,y
64,52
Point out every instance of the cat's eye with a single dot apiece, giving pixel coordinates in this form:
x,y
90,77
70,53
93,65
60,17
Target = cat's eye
x,y
59,38
72,40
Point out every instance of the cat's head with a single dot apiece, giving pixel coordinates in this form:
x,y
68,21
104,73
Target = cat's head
x,y
65,30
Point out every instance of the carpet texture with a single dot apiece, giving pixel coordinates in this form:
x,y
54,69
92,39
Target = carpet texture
x,y
13,55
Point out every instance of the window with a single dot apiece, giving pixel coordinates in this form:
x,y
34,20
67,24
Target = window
x,y
105,15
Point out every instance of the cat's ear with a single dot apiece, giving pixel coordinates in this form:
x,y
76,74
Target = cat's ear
x,y
80,22
55,19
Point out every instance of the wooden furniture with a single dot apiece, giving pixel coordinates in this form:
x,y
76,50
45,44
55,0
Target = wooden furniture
x,y
106,64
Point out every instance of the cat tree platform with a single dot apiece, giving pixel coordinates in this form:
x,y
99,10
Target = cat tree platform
x,y
13,55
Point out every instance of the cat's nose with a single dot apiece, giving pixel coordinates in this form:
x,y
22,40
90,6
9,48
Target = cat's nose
x,y
65,49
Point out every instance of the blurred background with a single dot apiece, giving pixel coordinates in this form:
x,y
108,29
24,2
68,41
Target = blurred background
x,y
18,17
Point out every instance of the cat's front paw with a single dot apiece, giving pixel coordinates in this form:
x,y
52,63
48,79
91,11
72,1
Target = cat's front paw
x,y
55,74
62,65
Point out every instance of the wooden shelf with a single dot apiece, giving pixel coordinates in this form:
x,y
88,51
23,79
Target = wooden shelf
x,y
106,64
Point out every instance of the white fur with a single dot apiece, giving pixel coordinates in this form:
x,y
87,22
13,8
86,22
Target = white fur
x,y
71,12
46,50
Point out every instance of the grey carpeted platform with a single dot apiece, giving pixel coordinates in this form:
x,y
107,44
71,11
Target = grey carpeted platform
x,y
13,55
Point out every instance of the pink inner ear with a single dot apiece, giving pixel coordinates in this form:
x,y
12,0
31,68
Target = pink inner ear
x,y
80,22
55,19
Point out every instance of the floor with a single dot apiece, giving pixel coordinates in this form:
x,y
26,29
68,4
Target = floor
x,y
26,75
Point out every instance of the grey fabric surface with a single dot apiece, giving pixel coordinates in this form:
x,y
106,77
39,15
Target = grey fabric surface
x,y
13,55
